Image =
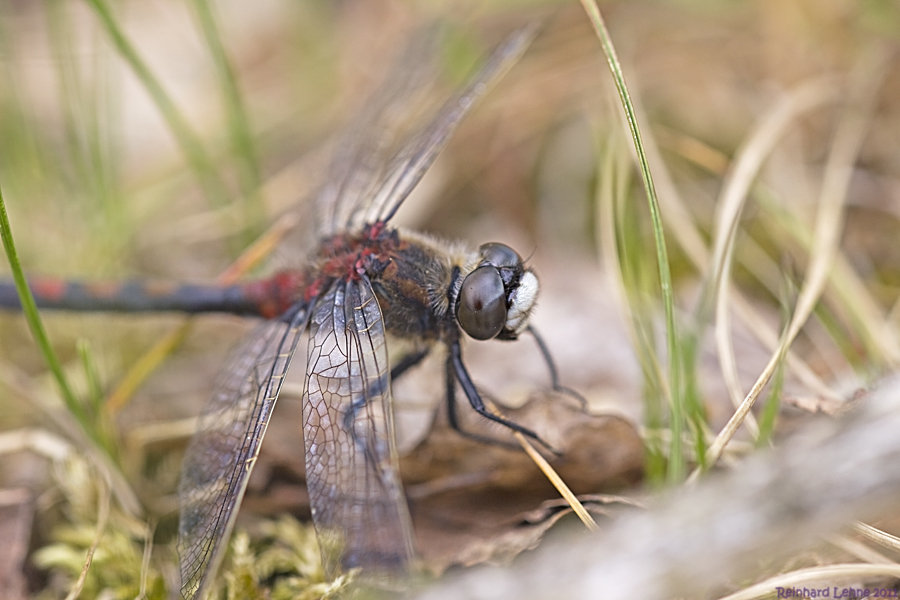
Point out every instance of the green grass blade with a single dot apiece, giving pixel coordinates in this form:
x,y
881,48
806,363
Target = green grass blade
x,y
29,308
198,159
85,115
619,254
97,414
769,413
676,458
250,175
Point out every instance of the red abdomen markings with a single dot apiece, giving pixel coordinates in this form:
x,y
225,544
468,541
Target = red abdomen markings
x,y
262,298
394,266
274,296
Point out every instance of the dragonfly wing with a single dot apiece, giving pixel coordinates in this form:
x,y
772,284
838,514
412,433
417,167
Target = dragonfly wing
x,y
222,453
376,168
411,163
373,137
357,500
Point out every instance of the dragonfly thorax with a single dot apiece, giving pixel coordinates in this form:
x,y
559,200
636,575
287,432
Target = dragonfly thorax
x,y
429,289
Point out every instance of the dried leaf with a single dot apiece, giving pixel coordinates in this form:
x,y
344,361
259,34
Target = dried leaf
x,y
472,502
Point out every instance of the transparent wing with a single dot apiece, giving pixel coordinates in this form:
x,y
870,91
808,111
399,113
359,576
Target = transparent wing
x,y
358,505
222,452
410,165
370,183
372,138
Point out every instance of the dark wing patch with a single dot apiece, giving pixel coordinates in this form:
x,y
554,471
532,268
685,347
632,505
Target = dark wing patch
x,y
357,500
222,452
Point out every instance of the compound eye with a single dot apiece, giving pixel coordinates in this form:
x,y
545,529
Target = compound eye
x,y
482,303
500,255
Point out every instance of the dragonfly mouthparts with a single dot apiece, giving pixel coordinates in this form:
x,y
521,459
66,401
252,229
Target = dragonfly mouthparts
x,y
522,300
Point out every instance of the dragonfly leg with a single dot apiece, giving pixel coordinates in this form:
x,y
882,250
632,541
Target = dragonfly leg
x,y
551,366
405,364
462,375
357,404
411,360
408,362
453,418
363,442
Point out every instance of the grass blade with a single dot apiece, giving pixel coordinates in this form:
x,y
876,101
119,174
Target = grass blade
x,y
198,159
829,221
33,318
674,392
733,198
250,176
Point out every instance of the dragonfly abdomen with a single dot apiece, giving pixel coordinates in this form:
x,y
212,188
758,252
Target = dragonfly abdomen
x,y
132,296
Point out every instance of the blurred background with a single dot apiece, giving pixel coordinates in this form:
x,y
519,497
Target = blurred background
x,y
159,138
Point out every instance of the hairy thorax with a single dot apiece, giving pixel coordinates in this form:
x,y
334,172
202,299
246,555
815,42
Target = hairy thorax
x,y
411,275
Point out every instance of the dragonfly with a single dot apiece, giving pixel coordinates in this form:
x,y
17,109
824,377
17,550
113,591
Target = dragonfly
x,y
365,280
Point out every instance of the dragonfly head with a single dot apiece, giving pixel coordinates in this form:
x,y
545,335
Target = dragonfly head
x,y
496,298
